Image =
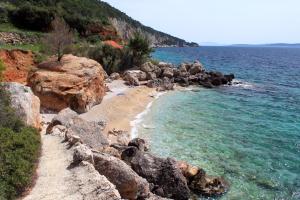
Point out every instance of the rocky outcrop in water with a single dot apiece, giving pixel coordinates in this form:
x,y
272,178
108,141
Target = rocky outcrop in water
x,y
75,82
163,76
25,103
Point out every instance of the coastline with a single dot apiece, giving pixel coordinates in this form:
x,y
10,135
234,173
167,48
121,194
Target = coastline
x,y
122,107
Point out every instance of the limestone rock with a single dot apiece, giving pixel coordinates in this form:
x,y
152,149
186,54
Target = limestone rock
x,y
168,72
82,153
132,77
75,82
115,76
90,133
196,68
151,70
92,185
129,184
25,103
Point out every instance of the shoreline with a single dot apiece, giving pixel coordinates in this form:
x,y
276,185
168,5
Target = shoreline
x,y
122,107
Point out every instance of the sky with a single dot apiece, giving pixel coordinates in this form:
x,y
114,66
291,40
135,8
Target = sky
x,y
219,21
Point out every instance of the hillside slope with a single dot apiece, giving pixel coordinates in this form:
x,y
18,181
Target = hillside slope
x,y
88,17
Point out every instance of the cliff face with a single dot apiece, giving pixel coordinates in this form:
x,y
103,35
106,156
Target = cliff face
x,y
157,39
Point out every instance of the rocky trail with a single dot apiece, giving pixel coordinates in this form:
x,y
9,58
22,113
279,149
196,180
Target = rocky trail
x,y
54,181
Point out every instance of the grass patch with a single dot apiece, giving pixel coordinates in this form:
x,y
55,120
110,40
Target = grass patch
x,y
36,48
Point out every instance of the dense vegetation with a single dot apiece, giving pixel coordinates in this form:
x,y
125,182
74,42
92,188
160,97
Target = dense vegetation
x,y
19,150
82,15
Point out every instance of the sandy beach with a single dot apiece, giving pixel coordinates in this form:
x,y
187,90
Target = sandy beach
x,y
120,106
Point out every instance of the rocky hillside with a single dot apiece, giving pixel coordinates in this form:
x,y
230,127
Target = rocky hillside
x,y
91,18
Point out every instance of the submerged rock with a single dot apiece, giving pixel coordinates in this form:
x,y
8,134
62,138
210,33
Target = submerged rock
x,y
208,186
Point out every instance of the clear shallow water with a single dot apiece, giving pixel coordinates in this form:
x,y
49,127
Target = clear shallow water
x,y
249,133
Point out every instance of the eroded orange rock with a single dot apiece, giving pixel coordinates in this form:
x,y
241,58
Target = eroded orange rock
x,y
17,65
74,82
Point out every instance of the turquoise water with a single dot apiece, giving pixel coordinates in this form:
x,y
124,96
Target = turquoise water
x,y
249,133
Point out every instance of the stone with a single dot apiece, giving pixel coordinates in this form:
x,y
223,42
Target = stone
x,y
151,70
128,183
115,76
168,72
208,186
163,173
92,185
90,133
82,153
139,143
189,171
25,103
74,82
132,77
196,68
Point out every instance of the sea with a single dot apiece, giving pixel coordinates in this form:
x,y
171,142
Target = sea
x,y
248,133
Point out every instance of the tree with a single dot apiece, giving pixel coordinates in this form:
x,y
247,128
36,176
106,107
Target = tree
x,y
59,38
140,49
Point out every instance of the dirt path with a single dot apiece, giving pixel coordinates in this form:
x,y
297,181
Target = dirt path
x,y
54,181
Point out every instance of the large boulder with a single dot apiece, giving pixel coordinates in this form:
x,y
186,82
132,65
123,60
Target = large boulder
x,y
132,77
92,185
163,174
25,103
90,133
152,71
74,82
129,184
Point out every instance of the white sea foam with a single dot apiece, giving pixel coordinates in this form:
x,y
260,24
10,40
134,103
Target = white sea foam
x,y
242,84
139,118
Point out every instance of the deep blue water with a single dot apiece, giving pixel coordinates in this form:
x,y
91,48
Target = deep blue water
x,y
248,133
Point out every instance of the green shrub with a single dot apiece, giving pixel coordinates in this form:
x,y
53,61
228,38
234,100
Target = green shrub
x,y
2,68
19,151
18,154
32,17
140,49
109,57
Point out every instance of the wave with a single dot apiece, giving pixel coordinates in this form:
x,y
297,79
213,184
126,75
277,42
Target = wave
x,y
243,84
139,117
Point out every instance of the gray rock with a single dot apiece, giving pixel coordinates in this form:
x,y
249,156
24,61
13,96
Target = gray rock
x,y
131,77
139,143
151,70
92,185
129,184
82,153
25,103
196,68
89,133
168,72
163,173
115,76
